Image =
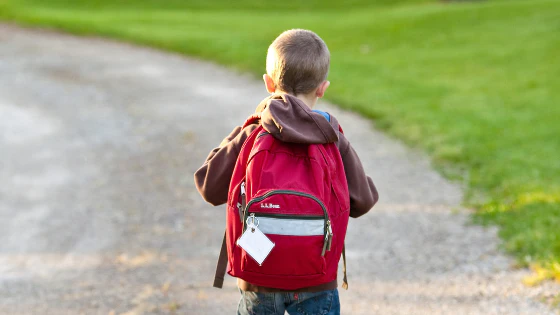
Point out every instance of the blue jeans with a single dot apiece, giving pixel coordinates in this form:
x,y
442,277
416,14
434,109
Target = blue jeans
x,y
301,303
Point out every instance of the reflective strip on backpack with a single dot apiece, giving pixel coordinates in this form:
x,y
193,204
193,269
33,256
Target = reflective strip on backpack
x,y
296,227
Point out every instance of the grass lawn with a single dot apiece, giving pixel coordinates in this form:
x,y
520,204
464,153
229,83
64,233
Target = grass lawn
x,y
474,84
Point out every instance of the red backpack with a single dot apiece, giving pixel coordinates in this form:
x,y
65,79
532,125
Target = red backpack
x,y
299,196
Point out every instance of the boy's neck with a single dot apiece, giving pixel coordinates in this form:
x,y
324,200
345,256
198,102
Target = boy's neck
x,y
307,99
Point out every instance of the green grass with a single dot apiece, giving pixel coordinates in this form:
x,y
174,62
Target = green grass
x,y
476,85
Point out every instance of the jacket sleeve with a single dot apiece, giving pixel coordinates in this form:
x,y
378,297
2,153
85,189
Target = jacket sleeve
x,y
212,179
363,194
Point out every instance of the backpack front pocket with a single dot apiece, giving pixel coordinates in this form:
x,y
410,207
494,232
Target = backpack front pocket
x,y
298,250
299,226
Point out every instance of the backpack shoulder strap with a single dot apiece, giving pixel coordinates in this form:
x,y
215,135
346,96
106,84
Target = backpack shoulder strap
x,y
345,278
221,266
253,119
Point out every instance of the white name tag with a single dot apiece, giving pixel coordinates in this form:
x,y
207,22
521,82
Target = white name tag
x,y
255,243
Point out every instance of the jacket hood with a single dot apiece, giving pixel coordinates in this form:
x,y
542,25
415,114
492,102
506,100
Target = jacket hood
x,y
288,119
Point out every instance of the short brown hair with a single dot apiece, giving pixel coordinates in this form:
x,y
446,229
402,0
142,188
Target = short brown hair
x,y
298,61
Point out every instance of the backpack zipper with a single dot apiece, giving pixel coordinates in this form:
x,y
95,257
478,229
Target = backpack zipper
x,y
288,216
327,223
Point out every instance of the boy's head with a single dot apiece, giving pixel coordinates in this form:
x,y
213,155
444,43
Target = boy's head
x,y
297,63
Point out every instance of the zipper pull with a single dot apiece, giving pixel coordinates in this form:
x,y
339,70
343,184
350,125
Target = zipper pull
x,y
330,235
243,205
325,243
328,238
254,222
240,211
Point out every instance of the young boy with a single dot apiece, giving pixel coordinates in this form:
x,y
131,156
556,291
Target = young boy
x,y
297,64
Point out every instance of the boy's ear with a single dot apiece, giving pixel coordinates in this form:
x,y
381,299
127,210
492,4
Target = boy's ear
x,y
322,88
269,83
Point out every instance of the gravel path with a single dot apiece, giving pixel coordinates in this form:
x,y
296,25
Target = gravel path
x,y
99,215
